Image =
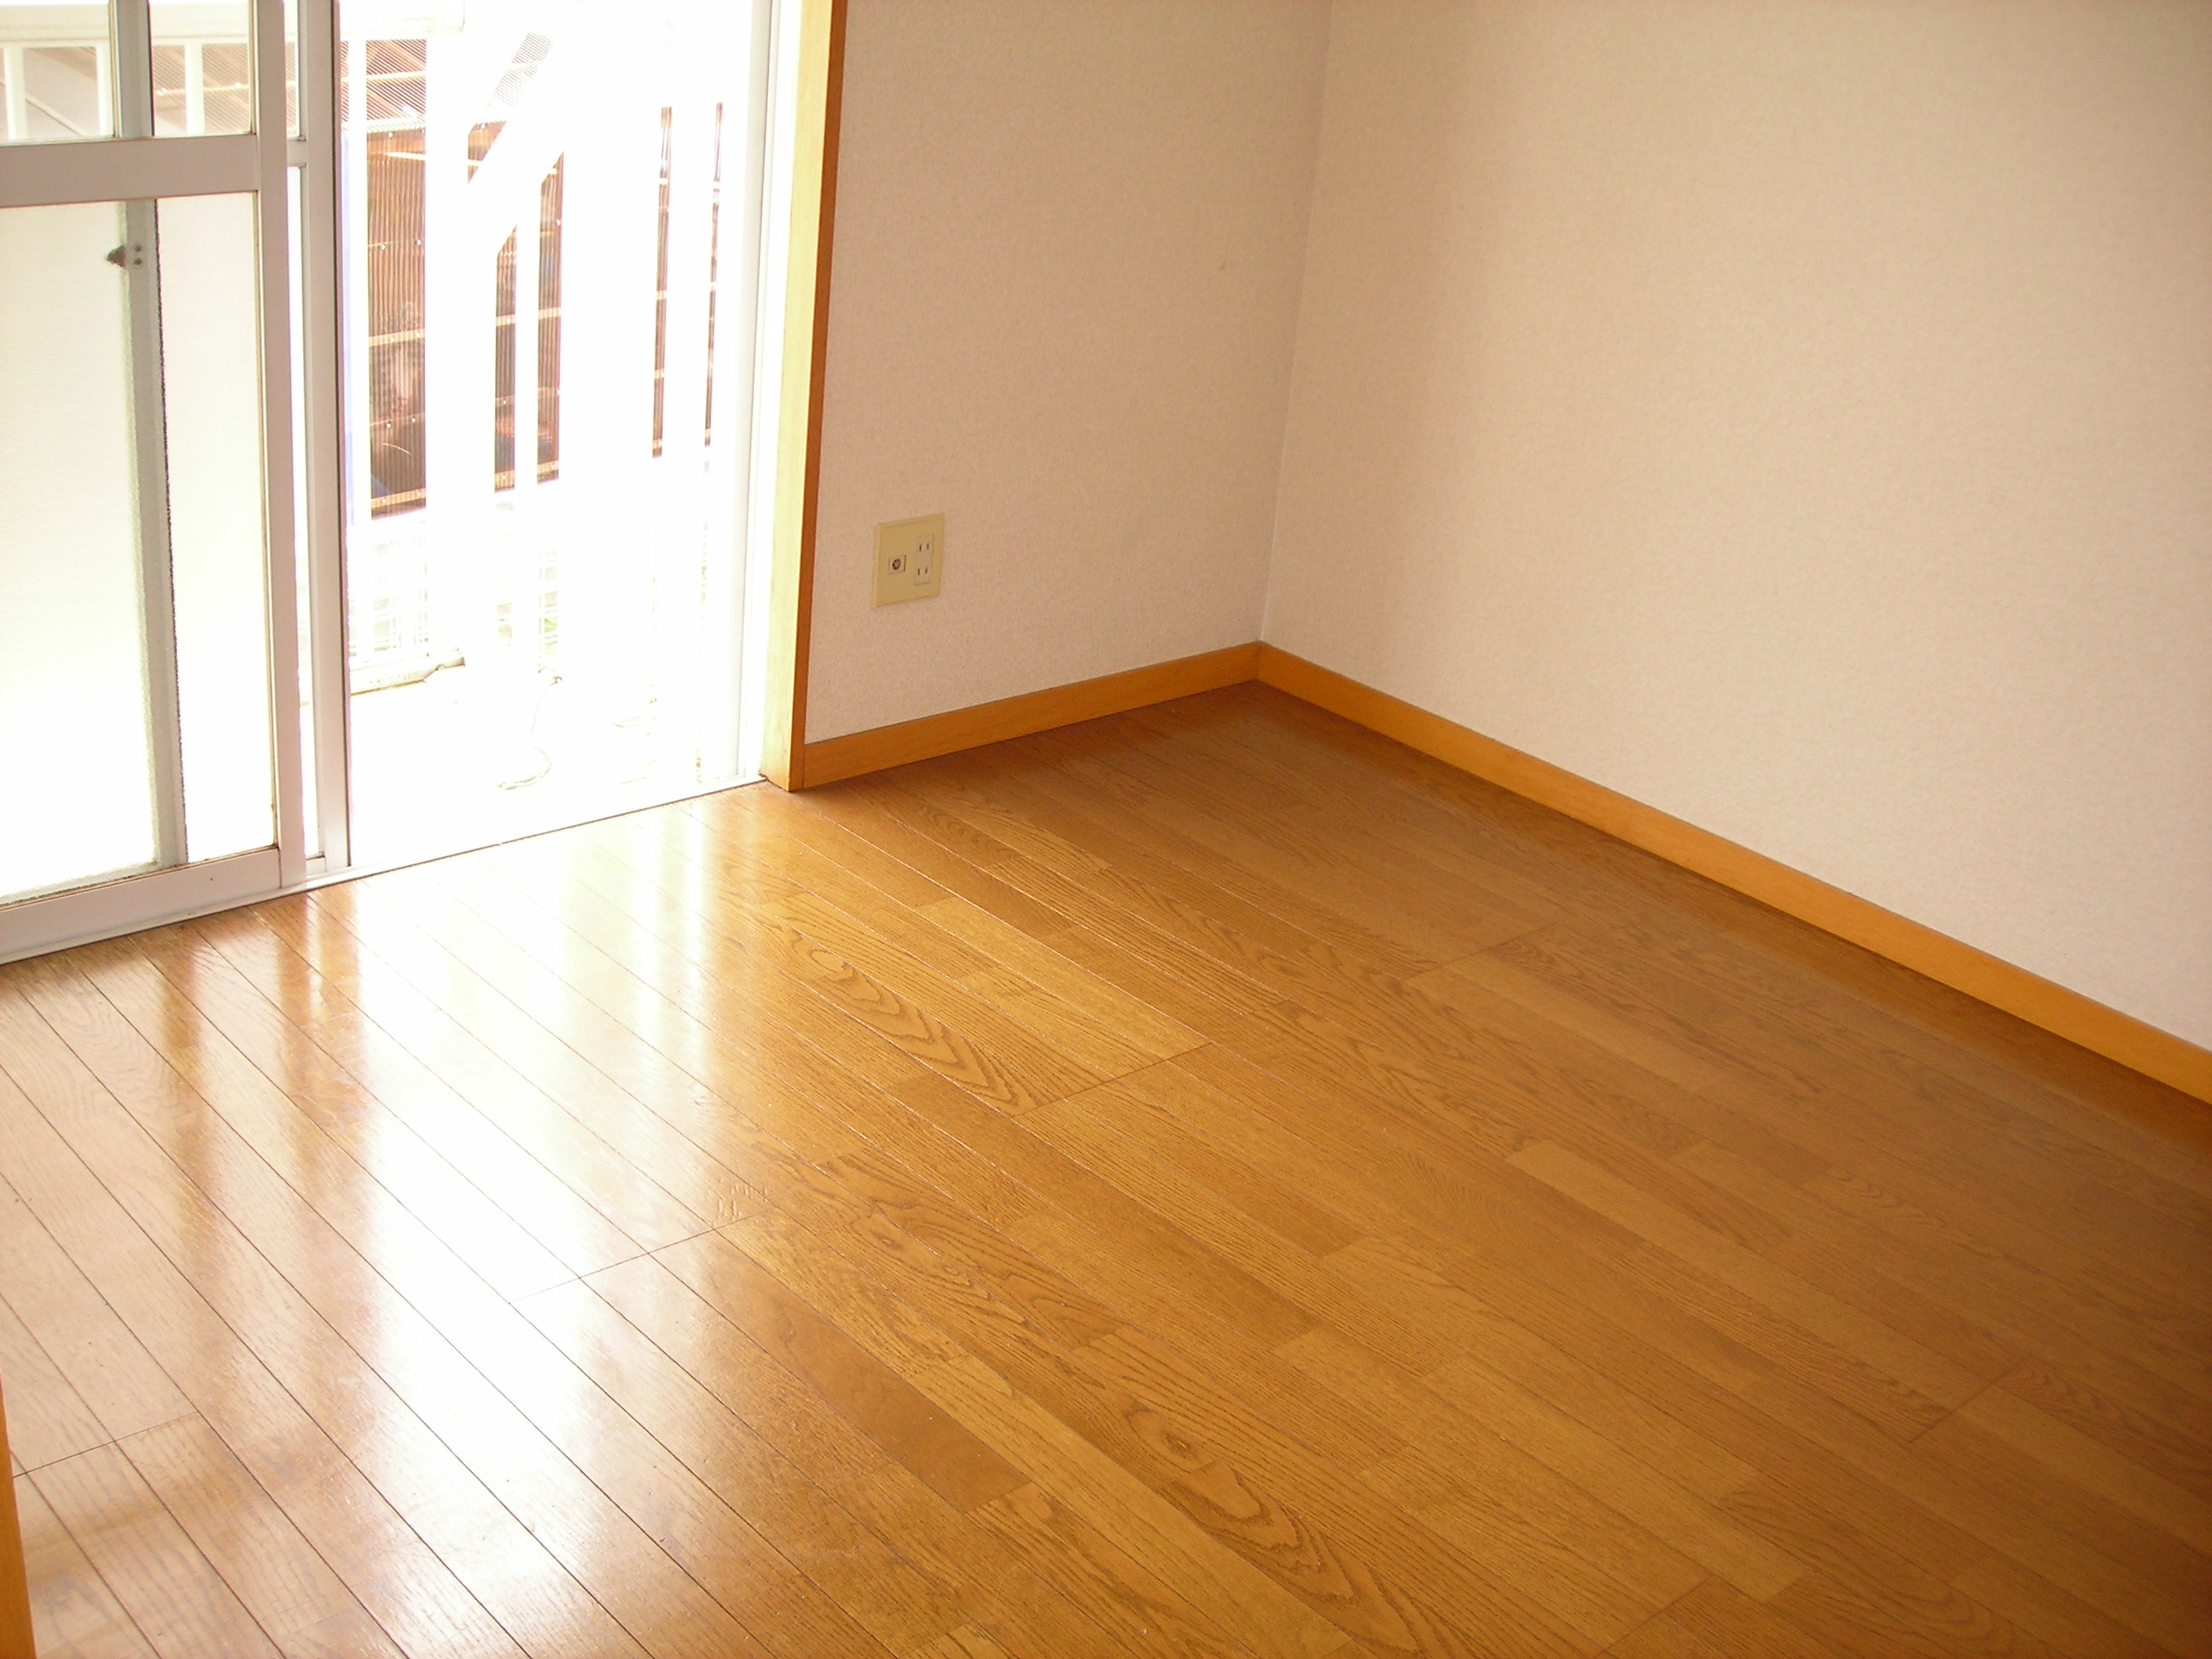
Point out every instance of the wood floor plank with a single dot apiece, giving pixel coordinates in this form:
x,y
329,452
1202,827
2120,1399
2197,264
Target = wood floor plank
x,y
772,951
1333,1557
1381,900
852,1425
1724,1618
921,1214
1129,1108
966,1642
1030,1292
1901,1193
693,1048
1213,770
1136,1519
1457,1426
241,1051
267,1229
1098,1039
95,1358
868,1580
1106,1583
1660,1636
1145,1238
861,816
958,1465
849,962
2080,1187
841,1167
1098,820
649,1111
1426,1080
1208,1181
1600,1579
2033,1603
1435,1051
1996,1297
2155,1442
1605,879
534,1193
728,1559
1861,1591
47,1420
1874,1346
1487,971
1069,1232
485,1043
172,1592
2082,1547
73,1612
386,1560
1605,882
1137,1023
1270,1258
276,1574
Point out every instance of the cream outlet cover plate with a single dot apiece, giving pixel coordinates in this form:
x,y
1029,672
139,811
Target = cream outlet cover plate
x,y
909,559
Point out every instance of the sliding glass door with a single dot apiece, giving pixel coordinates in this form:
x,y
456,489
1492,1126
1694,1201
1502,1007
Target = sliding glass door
x,y
548,231
377,396
151,731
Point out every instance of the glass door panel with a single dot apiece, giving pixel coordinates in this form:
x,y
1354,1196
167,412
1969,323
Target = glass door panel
x,y
76,747
542,477
56,69
202,67
211,378
134,722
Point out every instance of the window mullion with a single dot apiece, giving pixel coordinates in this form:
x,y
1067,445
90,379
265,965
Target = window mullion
x,y
133,79
273,138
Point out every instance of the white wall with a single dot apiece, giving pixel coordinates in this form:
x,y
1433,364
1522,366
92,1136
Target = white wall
x,y
1065,278
1797,417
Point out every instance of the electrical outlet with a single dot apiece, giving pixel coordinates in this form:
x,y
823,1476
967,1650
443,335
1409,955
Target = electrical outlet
x,y
909,559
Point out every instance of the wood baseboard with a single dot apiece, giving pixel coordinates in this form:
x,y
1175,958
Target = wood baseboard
x,y
2103,1030
932,735
2142,1048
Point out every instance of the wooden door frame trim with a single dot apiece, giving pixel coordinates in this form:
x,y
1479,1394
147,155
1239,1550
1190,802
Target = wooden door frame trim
x,y
818,112
15,1639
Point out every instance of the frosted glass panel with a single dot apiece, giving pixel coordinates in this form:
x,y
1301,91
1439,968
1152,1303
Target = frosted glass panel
x,y
56,73
75,770
210,358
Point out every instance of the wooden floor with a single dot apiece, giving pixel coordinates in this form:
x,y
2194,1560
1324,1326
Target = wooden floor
x,y
1206,1182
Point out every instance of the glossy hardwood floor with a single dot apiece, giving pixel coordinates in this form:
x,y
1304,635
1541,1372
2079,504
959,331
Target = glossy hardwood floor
x,y
1208,1182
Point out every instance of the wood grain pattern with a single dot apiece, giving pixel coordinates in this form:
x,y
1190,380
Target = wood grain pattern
x,y
1208,1182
